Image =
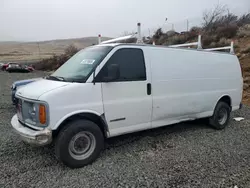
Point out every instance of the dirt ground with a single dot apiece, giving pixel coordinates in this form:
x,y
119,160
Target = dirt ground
x,y
190,154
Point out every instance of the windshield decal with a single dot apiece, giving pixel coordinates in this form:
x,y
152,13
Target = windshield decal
x,y
88,61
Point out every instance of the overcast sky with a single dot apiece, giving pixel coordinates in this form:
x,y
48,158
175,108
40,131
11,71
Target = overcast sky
x,y
31,20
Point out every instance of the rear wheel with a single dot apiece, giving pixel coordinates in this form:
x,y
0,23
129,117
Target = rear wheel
x,y
79,143
221,116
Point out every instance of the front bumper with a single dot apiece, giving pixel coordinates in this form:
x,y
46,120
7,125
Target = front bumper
x,y
30,136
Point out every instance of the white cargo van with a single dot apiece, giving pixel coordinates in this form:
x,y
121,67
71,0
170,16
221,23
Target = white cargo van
x,y
113,89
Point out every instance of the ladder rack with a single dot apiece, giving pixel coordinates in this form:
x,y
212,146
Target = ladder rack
x,y
231,48
138,36
118,39
198,44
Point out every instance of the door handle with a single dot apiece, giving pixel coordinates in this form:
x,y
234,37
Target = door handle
x,y
149,89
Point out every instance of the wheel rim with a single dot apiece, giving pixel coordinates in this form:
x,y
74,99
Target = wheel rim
x,y
222,116
82,145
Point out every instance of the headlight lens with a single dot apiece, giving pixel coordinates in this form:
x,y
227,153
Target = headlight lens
x,y
34,114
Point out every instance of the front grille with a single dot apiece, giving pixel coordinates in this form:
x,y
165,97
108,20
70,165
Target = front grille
x,y
19,109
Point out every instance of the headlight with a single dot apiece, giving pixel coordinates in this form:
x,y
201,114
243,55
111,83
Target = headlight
x,y
35,113
32,112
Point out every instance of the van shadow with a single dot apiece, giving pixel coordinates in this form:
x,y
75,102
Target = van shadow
x,y
153,133
47,152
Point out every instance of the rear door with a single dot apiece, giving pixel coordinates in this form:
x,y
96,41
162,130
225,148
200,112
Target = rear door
x,y
127,100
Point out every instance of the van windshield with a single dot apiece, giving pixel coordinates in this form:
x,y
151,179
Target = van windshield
x,y
79,67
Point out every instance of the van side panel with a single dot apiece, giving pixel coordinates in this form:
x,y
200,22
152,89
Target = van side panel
x,y
187,84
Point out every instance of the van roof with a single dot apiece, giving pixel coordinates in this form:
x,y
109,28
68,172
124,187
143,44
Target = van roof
x,y
161,46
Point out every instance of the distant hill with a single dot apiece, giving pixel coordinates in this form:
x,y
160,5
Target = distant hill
x,y
34,51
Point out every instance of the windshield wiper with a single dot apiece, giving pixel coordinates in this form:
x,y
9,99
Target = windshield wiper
x,y
59,78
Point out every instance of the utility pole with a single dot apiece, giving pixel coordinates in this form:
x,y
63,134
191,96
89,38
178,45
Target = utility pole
x,y
172,26
149,34
187,25
165,21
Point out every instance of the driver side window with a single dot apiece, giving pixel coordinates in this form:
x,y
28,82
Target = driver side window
x,y
131,65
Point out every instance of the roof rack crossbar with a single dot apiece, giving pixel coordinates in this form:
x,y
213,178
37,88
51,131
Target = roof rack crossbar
x,y
231,48
220,48
119,39
184,45
136,35
198,44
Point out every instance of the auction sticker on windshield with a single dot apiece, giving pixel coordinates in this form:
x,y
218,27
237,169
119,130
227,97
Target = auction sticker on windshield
x,y
87,61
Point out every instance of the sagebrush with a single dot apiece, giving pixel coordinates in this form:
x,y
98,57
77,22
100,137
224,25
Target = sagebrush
x,y
56,61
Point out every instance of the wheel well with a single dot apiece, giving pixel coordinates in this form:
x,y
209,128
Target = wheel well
x,y
226,99
99,120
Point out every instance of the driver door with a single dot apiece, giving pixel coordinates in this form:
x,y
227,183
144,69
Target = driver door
x,y
127,100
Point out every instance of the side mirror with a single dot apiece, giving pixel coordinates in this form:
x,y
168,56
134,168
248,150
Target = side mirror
x,y
113,73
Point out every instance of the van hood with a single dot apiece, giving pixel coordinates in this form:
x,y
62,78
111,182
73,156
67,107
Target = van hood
x,y
35,89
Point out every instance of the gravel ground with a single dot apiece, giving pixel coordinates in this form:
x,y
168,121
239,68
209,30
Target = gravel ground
x,y
189,154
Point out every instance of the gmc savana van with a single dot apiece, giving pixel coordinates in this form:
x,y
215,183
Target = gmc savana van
x,y
113,89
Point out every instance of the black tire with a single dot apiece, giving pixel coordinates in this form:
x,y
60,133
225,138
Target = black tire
x,y
64,147
221,116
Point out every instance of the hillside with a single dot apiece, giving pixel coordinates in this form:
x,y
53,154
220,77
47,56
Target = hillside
x,y
244,57
29,51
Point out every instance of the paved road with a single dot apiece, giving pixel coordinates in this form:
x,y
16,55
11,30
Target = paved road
x,y
190,154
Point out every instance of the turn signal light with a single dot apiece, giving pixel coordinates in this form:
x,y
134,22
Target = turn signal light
x,y
42,114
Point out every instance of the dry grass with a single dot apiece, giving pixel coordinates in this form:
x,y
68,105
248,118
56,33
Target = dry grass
x,y
247,50
244,31
29,51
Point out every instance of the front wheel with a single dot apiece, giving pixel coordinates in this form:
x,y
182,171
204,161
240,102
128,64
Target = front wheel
x,y
221,116
79,143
